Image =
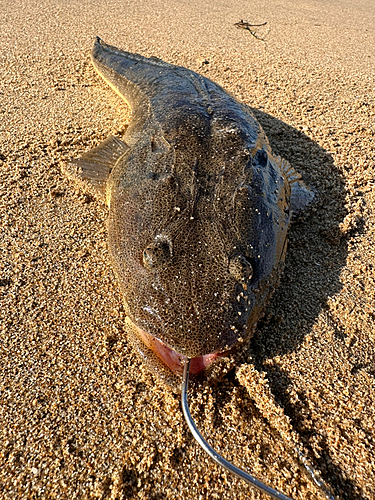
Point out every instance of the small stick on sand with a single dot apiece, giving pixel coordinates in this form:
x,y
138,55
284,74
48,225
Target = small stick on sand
x,y
250,27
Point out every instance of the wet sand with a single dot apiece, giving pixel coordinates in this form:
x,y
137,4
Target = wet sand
x,y
80,416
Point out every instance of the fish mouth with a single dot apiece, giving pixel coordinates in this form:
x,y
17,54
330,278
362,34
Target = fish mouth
x,y
174,360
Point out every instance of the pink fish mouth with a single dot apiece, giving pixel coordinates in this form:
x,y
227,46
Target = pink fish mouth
x,y
171,358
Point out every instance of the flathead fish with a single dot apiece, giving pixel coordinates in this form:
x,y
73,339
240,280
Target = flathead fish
x,y
199,210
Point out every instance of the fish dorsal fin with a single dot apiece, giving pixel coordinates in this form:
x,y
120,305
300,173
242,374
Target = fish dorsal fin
x,y
92,170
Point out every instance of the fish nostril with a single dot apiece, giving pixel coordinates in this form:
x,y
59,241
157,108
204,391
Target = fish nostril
x,y
240,268
157,254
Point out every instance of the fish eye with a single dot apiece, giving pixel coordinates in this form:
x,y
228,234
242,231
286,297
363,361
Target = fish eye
x,y
157,254
240,268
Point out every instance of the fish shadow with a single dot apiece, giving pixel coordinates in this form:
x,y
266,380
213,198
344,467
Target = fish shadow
x,y
317,249
317,252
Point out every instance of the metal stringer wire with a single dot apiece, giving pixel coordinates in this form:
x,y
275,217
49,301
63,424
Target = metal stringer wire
x,y
212,453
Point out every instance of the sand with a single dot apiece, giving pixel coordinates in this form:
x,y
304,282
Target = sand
x,y
80,416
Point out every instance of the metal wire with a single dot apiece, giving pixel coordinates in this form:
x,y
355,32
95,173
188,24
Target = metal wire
x,y
213,454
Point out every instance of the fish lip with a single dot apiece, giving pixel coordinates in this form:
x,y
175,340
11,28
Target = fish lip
x,y
174,360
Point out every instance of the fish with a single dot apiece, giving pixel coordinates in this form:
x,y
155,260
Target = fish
x,y
198,214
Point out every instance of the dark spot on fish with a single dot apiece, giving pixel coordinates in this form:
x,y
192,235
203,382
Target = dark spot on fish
x,y
240,268
261,158
157,254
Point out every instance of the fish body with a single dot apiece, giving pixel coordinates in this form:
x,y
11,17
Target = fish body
x,y
199,209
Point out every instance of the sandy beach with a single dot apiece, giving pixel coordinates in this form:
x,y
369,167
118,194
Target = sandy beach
x,y
80,415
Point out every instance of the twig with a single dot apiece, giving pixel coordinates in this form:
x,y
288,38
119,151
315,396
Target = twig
x,y
250,27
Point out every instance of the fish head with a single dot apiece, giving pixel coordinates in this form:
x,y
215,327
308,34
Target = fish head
x,y
197,234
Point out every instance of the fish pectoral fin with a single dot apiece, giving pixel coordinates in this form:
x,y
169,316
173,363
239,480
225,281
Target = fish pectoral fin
x,y
93,169
300,195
